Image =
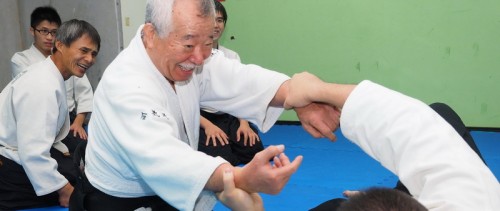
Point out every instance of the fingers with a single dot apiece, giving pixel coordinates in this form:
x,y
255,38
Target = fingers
x,y
350,193
311,130
326,131
222,140
253,138
286,172
245,139
81,133
216,136
320,120
270,152
288,168
228,179
277,162
207,141
257,201
284,159
295,164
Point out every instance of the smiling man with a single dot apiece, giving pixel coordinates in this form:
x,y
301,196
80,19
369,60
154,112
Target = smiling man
x,y
34,120
43,26
143,134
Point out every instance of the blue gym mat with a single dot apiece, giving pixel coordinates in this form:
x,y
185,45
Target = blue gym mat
x,y
329,168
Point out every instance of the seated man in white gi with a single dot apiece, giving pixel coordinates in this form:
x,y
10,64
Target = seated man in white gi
x,y
143,134
407,137
44,23
235,140
35,116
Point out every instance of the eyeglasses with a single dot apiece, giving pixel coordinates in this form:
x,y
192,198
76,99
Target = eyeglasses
x,y
46,32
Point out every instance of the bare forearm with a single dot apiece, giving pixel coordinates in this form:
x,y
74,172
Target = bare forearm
x,y
80,119
333,94
243,122
215,183
280,96
204,122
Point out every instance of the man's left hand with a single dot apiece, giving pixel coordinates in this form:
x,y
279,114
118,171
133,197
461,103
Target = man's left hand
x,y
320,120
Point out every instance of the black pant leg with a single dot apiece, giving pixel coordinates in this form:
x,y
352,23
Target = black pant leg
x,y
222,121
218,150
456,122
64,165
99,201
16,191
71,141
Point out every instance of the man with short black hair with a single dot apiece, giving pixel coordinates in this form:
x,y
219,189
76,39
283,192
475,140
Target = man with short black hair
x,y
34,119
44,23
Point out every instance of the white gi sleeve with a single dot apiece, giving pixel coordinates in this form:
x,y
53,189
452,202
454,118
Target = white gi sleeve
x,y
37,110
251,90
414,142
18,63
83,94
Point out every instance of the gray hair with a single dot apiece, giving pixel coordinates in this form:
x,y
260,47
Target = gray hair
x,y
159,13
72,30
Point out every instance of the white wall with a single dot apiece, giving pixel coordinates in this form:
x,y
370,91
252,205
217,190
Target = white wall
x,y
133,12
10,36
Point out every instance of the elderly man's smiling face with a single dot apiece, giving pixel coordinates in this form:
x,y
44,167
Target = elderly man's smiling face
x,y
187,45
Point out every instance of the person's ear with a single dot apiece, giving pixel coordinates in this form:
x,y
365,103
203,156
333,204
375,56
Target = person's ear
x,y
148,35
32,31
59,46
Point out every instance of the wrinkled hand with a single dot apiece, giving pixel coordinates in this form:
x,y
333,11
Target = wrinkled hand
x,y
319,120
237,199
260,175
78,130
215,134
301,90
249,136
64,195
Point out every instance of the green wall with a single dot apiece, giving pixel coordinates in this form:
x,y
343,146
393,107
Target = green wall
x,y
439,50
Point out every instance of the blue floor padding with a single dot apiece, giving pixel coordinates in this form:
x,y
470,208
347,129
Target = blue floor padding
x,y
330,168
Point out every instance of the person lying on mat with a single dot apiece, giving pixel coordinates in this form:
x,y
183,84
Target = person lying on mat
x,y
407,137
448,114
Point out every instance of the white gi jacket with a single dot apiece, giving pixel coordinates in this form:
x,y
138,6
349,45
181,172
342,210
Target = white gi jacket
x,y
229,53
143,136
431,159
34,116
79,92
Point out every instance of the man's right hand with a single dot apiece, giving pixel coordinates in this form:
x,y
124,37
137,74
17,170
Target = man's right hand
x,y
260,175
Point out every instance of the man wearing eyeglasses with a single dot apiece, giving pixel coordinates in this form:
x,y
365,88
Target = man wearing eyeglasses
x,y
44,24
